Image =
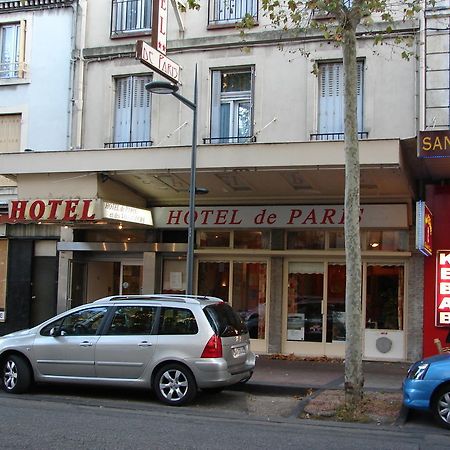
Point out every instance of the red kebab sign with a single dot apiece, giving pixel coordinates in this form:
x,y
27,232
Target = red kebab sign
x,y
154,56
443,288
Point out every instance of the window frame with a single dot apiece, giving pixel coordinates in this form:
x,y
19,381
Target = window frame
x,y
218,8
18,69
235,99
146,11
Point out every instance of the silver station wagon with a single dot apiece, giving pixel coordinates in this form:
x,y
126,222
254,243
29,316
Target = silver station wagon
x,y
174,344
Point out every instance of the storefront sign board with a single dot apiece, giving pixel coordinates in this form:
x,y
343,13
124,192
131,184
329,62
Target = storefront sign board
x,y
285,216
443,288
433,144
424,229
75,210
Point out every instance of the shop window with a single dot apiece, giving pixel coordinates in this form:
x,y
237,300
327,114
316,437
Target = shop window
x,y
252,239
336,303
336,239
305,295
305,239
231,11
249,296
174,276
385,297
214,279
218,239
12,46
394,241
131,16
232,104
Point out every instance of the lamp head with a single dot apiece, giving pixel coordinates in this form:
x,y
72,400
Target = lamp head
x,y
161,87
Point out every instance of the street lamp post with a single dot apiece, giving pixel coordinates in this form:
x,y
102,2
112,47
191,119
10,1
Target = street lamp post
x,y
165,87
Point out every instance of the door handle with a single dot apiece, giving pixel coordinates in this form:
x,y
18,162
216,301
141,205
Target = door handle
x,y
145,344
86,344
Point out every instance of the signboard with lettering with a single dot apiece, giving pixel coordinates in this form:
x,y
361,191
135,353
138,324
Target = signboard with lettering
x,y
286,216
75,210
424,229
157,61
443,288
159,29
433,144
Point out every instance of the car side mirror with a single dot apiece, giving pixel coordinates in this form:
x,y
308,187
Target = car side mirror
x,y
55,332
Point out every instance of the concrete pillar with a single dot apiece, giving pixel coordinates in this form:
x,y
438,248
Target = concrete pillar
x,y
149,271
275,306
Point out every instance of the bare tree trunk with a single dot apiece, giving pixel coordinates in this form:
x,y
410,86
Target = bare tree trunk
x,y
354,380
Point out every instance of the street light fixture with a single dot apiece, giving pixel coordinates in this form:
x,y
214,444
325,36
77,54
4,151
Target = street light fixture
x,y
165,87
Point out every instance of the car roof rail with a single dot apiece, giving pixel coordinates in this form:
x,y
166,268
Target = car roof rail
x,y
179,298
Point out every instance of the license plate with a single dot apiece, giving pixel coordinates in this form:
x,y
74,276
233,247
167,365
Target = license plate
x,y
238,351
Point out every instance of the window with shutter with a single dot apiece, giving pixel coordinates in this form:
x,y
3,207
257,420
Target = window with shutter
x,y
10,126
232,106
331,100
132,112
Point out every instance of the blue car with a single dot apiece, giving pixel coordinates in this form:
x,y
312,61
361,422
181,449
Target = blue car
x,y
427,387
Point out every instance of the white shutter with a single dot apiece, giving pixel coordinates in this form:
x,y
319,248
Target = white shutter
x,y
140,111
215,104
331,98
122,123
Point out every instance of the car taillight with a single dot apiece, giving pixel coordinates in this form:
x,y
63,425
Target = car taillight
x,y
213,349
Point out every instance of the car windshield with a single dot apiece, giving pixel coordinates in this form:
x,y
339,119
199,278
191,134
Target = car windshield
x,y
224,320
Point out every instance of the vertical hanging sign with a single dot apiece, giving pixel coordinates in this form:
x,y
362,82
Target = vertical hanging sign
x,y
424,229
443,288
159,27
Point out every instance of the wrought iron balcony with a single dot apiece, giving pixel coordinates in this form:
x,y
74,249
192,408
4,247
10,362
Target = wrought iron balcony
x,y
132,144
335,136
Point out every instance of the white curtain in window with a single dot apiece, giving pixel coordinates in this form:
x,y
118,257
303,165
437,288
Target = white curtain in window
x,y
10,49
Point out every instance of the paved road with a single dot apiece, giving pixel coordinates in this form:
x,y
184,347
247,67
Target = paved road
x,y
76,418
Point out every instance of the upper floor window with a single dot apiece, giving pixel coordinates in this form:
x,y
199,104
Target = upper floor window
x,y
232,106
331,102
11,53
10,129
132,113
131,16
231,11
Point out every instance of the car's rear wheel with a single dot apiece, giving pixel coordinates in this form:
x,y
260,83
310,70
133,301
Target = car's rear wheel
x,y
175,385
15,375
441,406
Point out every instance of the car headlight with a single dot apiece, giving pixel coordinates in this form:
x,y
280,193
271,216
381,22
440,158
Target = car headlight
x,y
418,371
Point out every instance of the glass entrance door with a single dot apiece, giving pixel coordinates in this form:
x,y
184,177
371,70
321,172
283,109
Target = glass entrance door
x,y
131,279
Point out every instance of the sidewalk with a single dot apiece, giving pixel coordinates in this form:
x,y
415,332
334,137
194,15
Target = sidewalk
x,y
273,374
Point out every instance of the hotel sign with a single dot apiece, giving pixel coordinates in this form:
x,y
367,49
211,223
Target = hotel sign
x,y
434,144
159,30
443,288
424,229
287,216
75,210
157,61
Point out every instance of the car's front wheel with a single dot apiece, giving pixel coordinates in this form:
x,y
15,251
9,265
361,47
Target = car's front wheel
x,y
15,375
441,406
175,385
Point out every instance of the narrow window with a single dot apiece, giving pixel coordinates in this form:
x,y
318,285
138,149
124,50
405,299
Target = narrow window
x,y
232,106
331,101
11,56
132,113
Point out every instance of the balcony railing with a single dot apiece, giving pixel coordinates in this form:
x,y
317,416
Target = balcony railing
x,y
230,140
231,11
132,144
131,16
12,70
335,136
